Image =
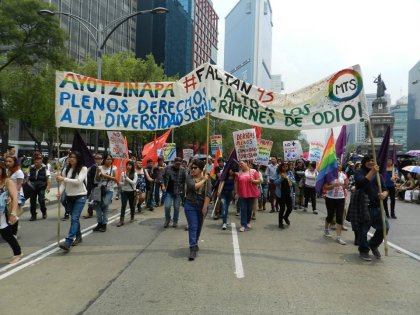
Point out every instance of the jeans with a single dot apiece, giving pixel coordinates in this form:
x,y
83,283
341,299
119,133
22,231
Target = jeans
x,y
74,208
102,209
194,215
225,199
176,200
246,210
127,196
7,235
378,236
40,193
391,196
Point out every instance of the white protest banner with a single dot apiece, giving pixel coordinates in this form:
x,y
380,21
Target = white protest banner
x,y
187,154
90,103
216,142
292,150
316,148
246,144
169,151
117,145
264,150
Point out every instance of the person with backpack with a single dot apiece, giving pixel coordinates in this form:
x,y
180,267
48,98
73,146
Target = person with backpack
x,y
39,181
72,181
91,183
8,213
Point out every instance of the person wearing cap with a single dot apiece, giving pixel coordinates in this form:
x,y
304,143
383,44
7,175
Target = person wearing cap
x,y
174,185
365,179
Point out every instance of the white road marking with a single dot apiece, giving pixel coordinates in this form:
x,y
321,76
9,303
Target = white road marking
x,y
400,249
41,255
237,253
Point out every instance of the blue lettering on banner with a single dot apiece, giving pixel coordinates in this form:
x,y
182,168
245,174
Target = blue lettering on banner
x,y
67,116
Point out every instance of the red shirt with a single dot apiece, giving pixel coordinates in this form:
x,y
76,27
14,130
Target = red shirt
x,y
246,189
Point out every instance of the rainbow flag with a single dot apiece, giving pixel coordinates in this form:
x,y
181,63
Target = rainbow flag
x,y
215,164
328,167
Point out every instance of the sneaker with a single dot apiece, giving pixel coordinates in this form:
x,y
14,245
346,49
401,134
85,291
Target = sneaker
x,y
33,218
375,252
254,217
175,224
96,228
241,229
327,233
166,224
340,241
343,228
15,259
224,227
315,212
248,227
237,214
44,216
77,241
64,246
393,216
365,256
272,211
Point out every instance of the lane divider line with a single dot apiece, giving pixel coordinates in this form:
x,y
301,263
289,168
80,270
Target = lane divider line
x,y
239,270
23,264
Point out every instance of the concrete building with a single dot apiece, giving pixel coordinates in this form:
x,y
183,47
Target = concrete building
x,y
400,113
248,42
413,123
277,84
181,40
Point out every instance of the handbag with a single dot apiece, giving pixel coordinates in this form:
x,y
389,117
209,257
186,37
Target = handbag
x,y
96,194
27,190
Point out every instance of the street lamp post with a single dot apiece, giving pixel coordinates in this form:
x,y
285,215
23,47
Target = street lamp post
x,y
102,35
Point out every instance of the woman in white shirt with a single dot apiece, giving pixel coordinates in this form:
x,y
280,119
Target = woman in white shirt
x,y
106,175
17,176
309,188
72,181
128,183
335,198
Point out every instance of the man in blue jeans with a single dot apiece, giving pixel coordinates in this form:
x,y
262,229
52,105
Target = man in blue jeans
x,y
365,179
174,185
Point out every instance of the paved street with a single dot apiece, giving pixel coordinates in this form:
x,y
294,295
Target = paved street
x,y
143,268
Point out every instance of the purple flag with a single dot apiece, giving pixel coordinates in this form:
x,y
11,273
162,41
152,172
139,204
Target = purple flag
x,y
340,145
80,145
383,152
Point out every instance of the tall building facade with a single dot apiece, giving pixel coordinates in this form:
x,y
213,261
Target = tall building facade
x,y
413,123
277,84
181,40
167,37
100,13
248,42
400,113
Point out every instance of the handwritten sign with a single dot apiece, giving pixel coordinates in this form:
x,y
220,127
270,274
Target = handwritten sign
x,y
187,154
117,145
216,141
315,151
246,144
292,150
169,151
91,103
264,150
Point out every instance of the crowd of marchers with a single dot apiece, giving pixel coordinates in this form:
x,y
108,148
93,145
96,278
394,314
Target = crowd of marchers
x,y
280,187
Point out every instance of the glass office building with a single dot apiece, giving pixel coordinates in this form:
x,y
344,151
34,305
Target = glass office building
x,y
100,13
413,124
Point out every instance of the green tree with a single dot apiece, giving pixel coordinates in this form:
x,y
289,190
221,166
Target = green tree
x,y
26,39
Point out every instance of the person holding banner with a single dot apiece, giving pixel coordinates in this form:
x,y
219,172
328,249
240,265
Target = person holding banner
x,y
72,182
197,198
128,182
246,188
107,177
310,193
284,182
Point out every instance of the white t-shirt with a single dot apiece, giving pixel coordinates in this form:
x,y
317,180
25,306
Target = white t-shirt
x,y
310,178
74,186
18,175
110,172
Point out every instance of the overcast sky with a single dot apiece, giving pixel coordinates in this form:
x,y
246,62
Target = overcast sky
x,y
313,39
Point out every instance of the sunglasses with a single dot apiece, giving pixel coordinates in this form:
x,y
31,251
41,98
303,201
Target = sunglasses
x,y
194,167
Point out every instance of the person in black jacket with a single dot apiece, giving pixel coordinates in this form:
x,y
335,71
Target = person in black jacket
x,y
365,179
39,180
